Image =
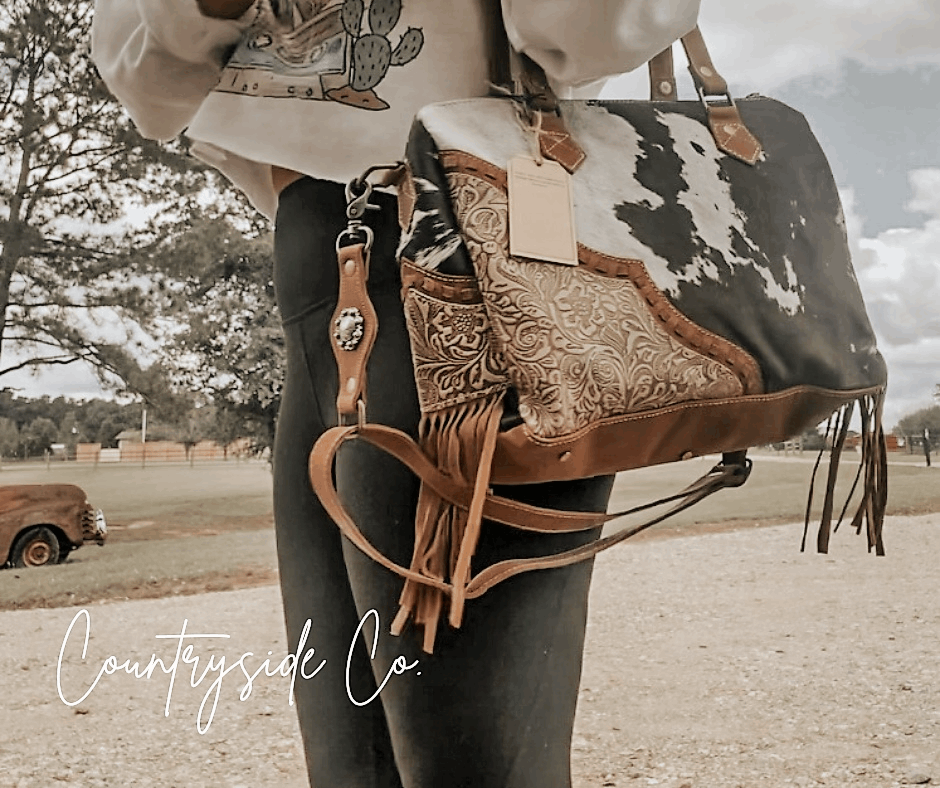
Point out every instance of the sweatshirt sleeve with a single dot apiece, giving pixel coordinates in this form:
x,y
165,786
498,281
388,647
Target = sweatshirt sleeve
x,y
161,58
580,43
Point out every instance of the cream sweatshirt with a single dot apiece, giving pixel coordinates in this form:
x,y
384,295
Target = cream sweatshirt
x,y
329,87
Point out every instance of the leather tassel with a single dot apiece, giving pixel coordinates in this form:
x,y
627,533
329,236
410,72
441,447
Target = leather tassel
x,y
873,470
835,454
461,441
871,509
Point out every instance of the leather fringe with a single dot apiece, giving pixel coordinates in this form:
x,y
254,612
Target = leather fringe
x,y
461,441
873,468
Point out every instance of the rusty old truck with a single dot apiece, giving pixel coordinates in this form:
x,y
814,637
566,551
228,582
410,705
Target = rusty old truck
x,y
40,524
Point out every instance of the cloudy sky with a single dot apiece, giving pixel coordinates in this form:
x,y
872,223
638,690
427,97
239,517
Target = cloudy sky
x,y
866,73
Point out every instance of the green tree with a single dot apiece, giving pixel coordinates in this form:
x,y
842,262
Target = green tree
x,y
228,347
914,424
9,438
77,280
38,436
227,427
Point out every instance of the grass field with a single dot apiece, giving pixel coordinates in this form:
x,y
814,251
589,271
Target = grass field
x,y
176,529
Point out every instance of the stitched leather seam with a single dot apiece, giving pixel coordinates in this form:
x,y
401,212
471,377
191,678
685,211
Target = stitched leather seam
x,y
446,287
573,437
687,332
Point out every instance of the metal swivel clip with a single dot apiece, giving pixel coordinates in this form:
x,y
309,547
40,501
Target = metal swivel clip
x,y
358,192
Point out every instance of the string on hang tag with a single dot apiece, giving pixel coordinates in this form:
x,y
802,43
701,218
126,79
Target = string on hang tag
x,y
534,130
529,119
541,199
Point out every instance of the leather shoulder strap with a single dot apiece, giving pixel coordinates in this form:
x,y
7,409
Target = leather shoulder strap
x,y
732,472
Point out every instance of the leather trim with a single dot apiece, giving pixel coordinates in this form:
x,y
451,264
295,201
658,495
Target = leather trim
x,y
557,144
447,287
731,135
468,164
353,275
703,71
664,435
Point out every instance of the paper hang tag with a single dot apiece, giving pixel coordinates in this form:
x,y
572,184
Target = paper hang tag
x,y
541,211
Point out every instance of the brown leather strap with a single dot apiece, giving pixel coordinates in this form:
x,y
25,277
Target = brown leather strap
x,y
403,447
468,545
557,144
731,134
728,474
731,473
704,73
724,119
663,77
353,329
499,50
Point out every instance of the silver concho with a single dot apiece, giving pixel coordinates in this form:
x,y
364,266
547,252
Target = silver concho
x,y
348,328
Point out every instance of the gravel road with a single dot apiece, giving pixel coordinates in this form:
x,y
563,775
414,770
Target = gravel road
x,y
725,660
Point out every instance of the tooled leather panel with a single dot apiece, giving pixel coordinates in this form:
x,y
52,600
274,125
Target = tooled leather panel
x,y
451,346
579,348
677,324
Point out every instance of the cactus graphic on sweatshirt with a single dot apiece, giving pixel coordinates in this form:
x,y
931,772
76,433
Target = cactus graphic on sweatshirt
x,y
333,50
372,53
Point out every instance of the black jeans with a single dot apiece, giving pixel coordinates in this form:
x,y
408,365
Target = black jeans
x,y
494,706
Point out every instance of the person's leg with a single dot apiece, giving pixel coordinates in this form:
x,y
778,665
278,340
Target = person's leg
x,y
494,706
344,745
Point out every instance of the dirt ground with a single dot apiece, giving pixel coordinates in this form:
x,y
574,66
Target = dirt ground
x,y
719,660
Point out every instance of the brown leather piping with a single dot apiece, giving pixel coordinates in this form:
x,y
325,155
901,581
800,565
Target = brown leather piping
x,y
351,364
683,330
690,429
468,164
455,289
678,325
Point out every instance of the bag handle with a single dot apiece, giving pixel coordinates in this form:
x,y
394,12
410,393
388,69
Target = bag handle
x,y
723,116
724,119
705,76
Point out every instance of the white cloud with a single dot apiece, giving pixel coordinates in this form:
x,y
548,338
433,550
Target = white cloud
x,y
759,45
774,42
75,381
925,184
899,274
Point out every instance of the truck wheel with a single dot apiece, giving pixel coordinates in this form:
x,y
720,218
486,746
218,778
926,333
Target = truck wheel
x,y
36,547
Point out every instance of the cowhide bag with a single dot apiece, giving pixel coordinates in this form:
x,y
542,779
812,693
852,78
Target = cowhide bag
x,y
713,307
